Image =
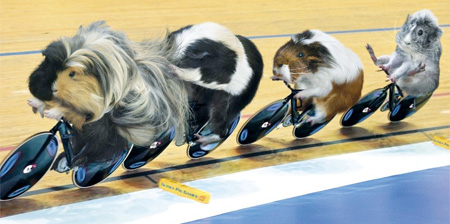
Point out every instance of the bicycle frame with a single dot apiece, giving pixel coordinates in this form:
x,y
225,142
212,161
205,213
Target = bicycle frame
x,y
65,134
391,91
295,115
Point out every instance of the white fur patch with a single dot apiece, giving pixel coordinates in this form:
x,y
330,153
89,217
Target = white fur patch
x,y
314,85
426,13
209,30
347,64
37,105
215,32
53,113
284,71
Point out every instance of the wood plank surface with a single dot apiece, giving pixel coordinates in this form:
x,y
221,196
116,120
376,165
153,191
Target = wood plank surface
x,y
28,26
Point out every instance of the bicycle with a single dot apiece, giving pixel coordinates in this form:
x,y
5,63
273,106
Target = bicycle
x,y
399,107
282,111
31,160
140,155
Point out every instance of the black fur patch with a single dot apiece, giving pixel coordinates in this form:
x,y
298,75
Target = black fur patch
x,y
307,34
99,141
41,80
222,107
216,61
179,31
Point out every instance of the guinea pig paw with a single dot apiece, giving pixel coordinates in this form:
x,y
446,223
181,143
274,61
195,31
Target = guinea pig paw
x,y
418,69
53,113
37,106
175,69
276,78
300,95
206,140
312,120
383,67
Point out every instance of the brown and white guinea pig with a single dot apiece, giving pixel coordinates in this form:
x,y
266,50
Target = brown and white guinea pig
x,y
329,74
113,90
223,69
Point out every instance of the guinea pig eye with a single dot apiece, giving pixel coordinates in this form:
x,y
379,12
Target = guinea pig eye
x,y
88,116
420,32
72,74
300,54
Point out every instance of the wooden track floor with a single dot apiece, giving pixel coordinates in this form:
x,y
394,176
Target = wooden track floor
x,y
27,27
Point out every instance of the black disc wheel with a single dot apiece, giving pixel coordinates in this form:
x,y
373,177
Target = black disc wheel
x,y
407,107
304,129
93,173
27,164
196,150
141,155
263,122
365,107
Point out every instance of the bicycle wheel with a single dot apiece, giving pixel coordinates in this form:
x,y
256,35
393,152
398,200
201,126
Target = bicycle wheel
x,y
141,155
94,173
407,107
27,164
305,129
263,122
197,150
365,107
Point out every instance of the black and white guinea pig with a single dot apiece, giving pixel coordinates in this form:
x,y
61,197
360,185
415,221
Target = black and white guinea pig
x,y
224,71
329,74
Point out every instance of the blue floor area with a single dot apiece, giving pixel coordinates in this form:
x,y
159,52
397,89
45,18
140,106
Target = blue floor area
x,y
417,197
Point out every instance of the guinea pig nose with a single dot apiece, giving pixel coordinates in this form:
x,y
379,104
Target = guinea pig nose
x,y
279,65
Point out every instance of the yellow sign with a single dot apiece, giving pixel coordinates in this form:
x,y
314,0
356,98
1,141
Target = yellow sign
x,y
441,141
184,191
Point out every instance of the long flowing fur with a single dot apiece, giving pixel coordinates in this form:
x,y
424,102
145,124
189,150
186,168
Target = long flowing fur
x,y
139,96
140,91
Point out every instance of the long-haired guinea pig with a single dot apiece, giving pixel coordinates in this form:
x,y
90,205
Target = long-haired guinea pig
x,y
329,74
113,90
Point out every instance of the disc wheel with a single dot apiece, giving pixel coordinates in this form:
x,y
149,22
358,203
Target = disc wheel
x,y
196,151
407,107
141,155
304,129
27,164
94,173
263,122
365,107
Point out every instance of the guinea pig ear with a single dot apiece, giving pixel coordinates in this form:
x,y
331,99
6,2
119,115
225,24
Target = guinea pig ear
x,y
196,54
313,60
432,37
408,18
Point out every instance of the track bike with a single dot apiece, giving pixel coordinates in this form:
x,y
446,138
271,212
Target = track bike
x,y
140,155
399,107
28,162
279,113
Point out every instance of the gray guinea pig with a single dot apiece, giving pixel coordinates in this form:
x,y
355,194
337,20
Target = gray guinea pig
x,y
414,66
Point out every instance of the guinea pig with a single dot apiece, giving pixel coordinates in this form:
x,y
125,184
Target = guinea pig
x,y
76,96
223,71
414,65
329,74
113,90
